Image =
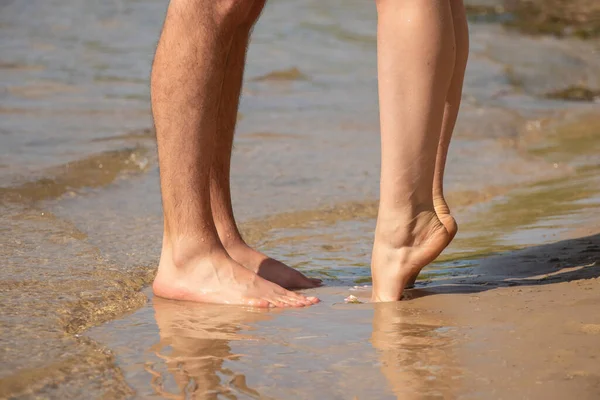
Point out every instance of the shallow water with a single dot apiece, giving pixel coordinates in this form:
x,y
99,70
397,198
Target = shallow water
x,y
205,351
80,210
335,350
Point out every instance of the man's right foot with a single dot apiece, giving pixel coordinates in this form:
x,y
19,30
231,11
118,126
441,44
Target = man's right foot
x,y
216,278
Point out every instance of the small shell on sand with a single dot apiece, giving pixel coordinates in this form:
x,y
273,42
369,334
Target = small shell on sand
x,y
352,299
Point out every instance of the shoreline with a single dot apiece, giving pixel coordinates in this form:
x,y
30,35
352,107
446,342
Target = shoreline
x,y
82,236
518,308
126,297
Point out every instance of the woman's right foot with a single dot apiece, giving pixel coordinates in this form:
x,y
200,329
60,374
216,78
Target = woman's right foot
x,y
443,213
216,278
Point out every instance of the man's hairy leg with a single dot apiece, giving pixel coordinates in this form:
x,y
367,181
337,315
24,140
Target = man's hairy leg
x,y
187,78
220,191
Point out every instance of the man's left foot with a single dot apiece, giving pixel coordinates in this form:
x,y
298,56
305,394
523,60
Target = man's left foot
x,y
270,269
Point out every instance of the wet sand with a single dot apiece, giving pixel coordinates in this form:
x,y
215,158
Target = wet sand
x,y
80,217
495,323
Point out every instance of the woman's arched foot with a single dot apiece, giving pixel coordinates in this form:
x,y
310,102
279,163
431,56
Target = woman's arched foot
x,y
403,246
443,213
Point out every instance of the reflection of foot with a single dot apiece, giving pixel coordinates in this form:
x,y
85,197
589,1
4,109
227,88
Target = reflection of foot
x,y
417,359
216,278
270,269
195,348
201,322
443,213
403,246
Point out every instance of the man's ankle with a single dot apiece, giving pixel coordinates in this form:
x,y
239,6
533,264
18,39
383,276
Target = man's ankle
x,y
233,242
230,237
182,249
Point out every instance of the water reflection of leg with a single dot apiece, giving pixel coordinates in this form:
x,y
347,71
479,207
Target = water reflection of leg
x,y
195,343
415,357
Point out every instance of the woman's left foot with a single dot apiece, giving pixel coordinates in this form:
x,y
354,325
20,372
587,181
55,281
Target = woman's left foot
x,y
403,246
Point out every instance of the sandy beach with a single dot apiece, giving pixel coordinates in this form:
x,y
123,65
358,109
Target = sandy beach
x,y
508,311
